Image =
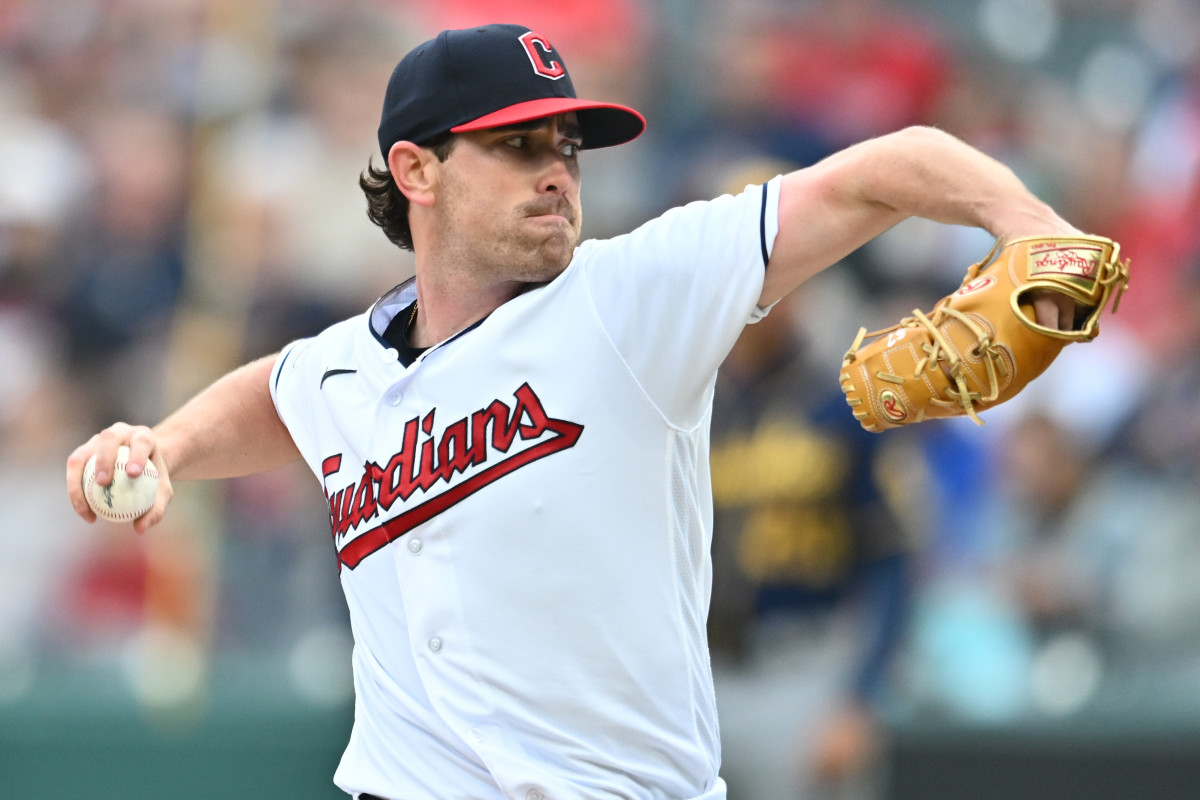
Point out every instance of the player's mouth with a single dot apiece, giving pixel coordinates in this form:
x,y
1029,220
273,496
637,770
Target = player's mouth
x,y
549,209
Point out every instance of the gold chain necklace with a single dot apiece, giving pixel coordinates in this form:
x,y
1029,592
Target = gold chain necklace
x,y
408,326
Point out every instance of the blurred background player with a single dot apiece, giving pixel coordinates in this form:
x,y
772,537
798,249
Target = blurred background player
x,y
811,573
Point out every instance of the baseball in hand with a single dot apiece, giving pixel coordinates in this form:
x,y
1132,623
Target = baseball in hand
x,y
126,498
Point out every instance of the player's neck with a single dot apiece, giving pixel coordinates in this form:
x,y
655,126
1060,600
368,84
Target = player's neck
x,y
446,306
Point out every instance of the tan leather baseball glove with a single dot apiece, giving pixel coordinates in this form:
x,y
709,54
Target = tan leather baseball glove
x,y
982,344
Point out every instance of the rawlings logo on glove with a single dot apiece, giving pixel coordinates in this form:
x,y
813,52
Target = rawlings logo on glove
x,y
982,344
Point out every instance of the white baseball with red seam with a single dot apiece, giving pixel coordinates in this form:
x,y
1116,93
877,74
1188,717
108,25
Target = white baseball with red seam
x,y
126,498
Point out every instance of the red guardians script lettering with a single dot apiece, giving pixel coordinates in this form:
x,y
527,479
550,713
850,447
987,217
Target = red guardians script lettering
x,y
479,444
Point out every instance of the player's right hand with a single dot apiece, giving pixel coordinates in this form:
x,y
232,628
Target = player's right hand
x,y
143,447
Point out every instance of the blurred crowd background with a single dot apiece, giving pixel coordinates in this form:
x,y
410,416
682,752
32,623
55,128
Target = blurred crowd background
x,y
178,194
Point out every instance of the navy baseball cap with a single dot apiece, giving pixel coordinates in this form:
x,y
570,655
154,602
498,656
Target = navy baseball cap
x,y
489,77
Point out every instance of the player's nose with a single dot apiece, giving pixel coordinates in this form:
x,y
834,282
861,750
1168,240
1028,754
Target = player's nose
x,y
557,175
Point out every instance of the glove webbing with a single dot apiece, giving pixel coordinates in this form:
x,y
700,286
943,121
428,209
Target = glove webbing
x,y
938,351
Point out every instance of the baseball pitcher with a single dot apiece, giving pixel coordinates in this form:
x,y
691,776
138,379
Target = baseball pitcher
x,y
514,444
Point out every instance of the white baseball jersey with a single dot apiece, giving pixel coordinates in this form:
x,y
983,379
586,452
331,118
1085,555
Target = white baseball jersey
x,y
522,518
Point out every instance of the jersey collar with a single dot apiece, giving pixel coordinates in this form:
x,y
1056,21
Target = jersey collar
x,y
395,301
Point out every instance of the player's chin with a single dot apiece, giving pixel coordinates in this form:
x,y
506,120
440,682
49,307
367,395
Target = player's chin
x,y
545,271
554,253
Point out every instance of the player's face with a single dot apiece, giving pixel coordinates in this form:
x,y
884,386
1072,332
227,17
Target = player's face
x,y
508,199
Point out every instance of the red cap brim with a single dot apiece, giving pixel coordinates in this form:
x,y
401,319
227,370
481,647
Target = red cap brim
x,y
603,124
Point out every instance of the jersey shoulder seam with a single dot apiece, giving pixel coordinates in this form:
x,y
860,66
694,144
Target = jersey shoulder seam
x,y
599,318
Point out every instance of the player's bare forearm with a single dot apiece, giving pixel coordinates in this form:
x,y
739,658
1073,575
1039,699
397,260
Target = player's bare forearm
x,y
229,429
828,210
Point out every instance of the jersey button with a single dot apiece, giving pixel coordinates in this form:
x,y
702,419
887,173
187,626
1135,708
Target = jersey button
x,y
475,734
390,355
414,546
394,398
435,644
533,794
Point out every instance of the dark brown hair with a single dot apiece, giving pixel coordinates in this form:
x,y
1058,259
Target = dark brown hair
x,y
387,206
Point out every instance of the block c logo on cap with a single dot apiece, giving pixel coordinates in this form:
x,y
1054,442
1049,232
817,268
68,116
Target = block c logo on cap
x,y
541,56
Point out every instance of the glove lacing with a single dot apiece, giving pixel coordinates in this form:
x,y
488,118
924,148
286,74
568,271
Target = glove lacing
x,y
939,352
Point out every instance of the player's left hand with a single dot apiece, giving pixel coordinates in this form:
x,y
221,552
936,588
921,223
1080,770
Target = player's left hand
x,y
1054,310
1013,313
1051,309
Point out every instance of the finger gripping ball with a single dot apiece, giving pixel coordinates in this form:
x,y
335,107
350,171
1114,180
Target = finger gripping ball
x,y
125,498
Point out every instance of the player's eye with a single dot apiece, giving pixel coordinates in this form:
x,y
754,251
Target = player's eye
x,y
570,149
516,142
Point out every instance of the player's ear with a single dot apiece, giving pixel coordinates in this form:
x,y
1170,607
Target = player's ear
x,y
412,170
